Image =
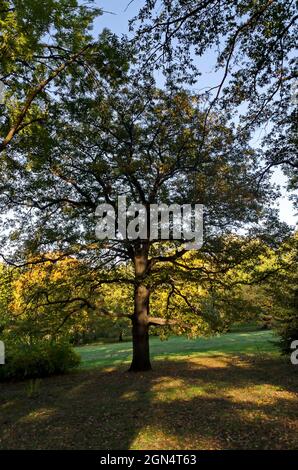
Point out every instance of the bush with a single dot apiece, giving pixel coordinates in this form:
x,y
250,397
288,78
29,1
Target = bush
x,y
287,330
41,359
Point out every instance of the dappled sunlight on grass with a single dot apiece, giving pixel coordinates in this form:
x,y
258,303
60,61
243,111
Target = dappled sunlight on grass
x,y
154,438
167,382
38,415
7,405
219,401
261,394
168,389
131,395
109,369
221,361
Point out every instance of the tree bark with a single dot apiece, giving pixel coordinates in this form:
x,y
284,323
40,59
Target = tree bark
x,y
140,318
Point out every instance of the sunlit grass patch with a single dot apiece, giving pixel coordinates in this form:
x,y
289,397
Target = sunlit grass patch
x,y
257,342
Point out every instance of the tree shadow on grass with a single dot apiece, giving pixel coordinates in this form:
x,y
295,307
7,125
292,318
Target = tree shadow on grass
x,y
200,403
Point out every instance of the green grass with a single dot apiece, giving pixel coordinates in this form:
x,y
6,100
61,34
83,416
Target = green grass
x,y
103,355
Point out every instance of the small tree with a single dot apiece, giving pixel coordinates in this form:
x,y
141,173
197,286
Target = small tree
x,y
283,289
6,294
49,301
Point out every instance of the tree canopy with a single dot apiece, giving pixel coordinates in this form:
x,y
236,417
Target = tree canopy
x,y
84,123
43,46
252,46
128,138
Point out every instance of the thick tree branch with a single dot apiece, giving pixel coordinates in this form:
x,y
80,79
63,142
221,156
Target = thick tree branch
x,y
156,321
166,259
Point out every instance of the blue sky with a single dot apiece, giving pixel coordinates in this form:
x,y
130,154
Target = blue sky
x,y
116,16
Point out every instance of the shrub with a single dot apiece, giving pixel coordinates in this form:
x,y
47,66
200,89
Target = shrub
x,y
287,330
41,359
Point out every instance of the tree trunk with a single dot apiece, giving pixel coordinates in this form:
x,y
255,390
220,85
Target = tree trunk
x,y
140,319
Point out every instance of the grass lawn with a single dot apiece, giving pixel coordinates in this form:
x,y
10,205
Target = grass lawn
x,y
255,342
228,392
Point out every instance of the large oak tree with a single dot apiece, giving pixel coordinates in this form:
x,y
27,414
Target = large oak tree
x,y
107,138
